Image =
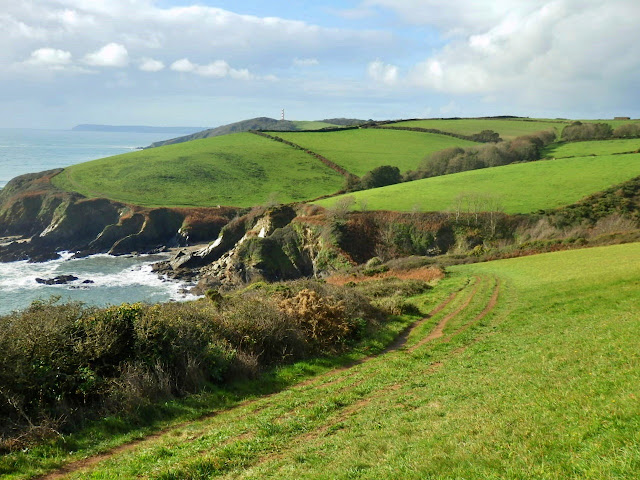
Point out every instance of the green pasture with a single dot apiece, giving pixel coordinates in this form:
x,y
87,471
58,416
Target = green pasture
x,y
235,170
507,128
613,123
362,150
596,147
536,375
519,188
312,125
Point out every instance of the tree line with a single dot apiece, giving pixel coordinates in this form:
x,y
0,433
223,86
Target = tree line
x,y
578,131
456,159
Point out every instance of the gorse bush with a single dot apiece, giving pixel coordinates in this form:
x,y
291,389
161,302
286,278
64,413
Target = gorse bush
x,y
322,319
64,361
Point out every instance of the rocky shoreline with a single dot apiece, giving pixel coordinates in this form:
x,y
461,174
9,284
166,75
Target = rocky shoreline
x,y
214,248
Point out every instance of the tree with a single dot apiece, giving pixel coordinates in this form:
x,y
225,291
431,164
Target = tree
x,y
381,176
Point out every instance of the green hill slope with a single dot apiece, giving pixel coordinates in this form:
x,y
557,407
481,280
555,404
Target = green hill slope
x,y
362,150
508,128
596,147
237,170
520,188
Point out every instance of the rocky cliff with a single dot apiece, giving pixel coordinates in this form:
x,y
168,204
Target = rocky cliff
x,y
282,243
37,220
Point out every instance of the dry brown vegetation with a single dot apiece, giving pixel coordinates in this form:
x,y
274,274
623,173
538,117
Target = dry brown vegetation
x,y
425,274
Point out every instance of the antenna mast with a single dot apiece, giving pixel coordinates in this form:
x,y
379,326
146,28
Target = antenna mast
x,y
283,114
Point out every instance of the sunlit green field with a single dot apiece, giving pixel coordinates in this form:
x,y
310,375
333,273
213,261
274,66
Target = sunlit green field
x,y
599,147
613,123
236,170
311,125
520,188
535,374
507,128
362,150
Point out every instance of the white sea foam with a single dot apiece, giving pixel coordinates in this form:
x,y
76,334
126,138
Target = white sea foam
x,y
115,280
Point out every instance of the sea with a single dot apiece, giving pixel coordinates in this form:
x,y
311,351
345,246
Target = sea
x,y
115,279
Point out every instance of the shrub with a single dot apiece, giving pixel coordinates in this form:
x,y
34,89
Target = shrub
x,y
381,176
627,130
586,131
257,326
67,361
396,305
322,319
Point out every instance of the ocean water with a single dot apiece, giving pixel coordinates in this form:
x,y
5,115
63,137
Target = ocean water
x,y
27,151
116,279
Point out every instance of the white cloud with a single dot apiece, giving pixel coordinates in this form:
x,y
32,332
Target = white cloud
x,y
143,26
383,73
111,55
151,65
535,52
183,65
457,16
50,57
306,62
216,69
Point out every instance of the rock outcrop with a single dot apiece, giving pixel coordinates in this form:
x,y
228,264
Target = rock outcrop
x,y
48,220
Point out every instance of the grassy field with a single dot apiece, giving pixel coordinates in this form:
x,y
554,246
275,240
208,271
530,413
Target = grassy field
x,y
507,128
599,147
311,125
529,370
360,151
520,188
235,170
613,123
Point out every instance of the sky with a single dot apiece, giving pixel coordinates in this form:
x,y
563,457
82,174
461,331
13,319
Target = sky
x,y
207,63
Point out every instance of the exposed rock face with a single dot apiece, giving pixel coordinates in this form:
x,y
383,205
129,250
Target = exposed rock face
x,y
262,245
53,220
277,244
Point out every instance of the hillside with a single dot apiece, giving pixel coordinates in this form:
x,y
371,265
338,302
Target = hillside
x,y
362,150
516,370
260,123
518,188
235,170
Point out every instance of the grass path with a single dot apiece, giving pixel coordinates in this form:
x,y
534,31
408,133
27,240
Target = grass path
x,y
344,381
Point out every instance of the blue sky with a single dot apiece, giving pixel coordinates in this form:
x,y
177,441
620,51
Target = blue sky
x,y
207,63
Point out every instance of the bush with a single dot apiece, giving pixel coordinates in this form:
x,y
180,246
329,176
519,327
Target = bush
x,y
396,305
627,130
392,286
381,177
68,361
257,326
322,319
586,131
